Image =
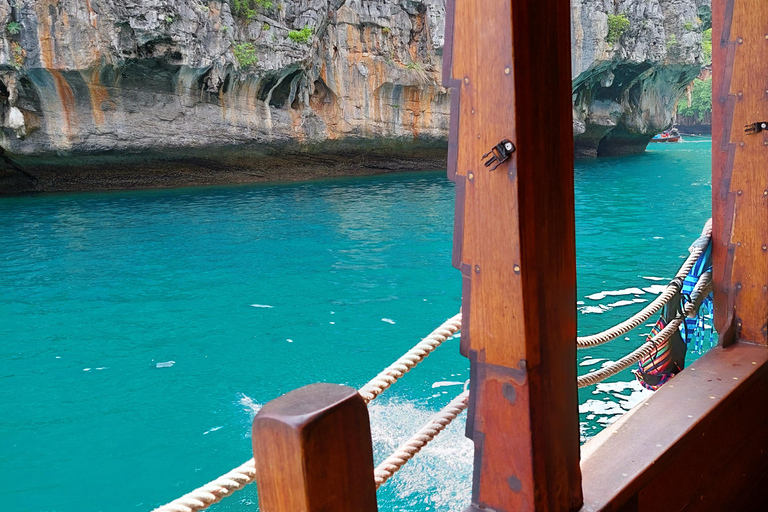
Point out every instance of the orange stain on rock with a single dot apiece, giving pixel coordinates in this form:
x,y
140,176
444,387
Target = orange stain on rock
x,y
67,98
98,95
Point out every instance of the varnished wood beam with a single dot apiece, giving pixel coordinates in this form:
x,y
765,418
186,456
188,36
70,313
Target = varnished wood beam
x,y
509,64
313,452
739,169
697,444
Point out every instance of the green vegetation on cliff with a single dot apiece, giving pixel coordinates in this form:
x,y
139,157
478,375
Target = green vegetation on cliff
x,y
248,9
617,25
701,101
300,36
245,53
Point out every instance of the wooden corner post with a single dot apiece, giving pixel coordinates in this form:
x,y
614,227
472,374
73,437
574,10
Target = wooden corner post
x,y
740,169
508,62
313,452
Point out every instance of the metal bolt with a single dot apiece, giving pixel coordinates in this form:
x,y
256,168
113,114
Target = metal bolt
x,y
741,143
739,192
506,70
477,269
740,40
470,176
516,268
508,146
740,94
473,111
466,79
738,287
765,247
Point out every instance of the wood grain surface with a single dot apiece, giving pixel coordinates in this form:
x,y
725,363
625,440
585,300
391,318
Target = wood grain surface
x,y
313,452
509,65
740,169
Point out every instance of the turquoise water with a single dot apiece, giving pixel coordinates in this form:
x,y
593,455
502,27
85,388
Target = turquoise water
x,y
142,330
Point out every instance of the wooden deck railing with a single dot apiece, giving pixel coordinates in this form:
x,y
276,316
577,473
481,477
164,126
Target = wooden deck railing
x,y
700,443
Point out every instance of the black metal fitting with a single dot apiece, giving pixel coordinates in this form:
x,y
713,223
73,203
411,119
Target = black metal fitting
x,y
501,153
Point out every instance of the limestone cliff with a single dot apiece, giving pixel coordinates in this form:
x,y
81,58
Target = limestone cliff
x,y
194,91
626,91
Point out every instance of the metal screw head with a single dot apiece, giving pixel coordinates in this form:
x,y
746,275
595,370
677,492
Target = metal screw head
x,y
470,176
508,146
516,268
477,269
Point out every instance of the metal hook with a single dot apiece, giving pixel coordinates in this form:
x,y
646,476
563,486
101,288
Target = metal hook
x,y
501,153
758,127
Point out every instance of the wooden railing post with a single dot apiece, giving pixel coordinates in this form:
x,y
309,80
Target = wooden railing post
x,y
313,452
508,62
739,162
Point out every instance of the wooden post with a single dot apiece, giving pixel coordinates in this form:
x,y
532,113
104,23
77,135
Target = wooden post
x,y
313,452
740,169
508,62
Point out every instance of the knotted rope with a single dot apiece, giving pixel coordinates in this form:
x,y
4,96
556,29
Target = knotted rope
x,y
699,293
414,445
238,478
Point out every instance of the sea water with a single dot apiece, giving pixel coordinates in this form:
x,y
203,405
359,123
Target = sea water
x,y
141,331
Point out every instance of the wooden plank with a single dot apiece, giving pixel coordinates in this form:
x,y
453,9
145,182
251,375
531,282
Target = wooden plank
x,y
514,242
739,177
672,454
313,452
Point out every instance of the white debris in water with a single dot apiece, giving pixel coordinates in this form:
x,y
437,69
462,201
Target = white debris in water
x,y
214,429
655,289
600,407
591,361
658,238
600,308
332,323
251,406
388,320
444,383
650,278
615,293
262,306
579,302
166,364
620,303
289,340
86,369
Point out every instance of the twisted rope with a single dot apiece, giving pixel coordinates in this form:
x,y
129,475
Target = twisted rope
x,y
415,444
213,492
410,359
238,478
697,249
699,292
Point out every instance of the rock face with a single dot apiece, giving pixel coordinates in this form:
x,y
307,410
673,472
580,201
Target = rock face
x,y
624,93
192,91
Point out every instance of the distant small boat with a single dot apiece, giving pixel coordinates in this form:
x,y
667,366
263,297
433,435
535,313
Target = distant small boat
x,y
668,136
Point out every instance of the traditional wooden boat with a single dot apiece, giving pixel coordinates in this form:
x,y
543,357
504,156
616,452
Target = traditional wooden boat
x,y
699,443
668,136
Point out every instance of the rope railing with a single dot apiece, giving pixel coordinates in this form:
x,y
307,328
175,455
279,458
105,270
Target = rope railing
x,y
415,444
699,293
244,474
410,359
238,478
697,249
